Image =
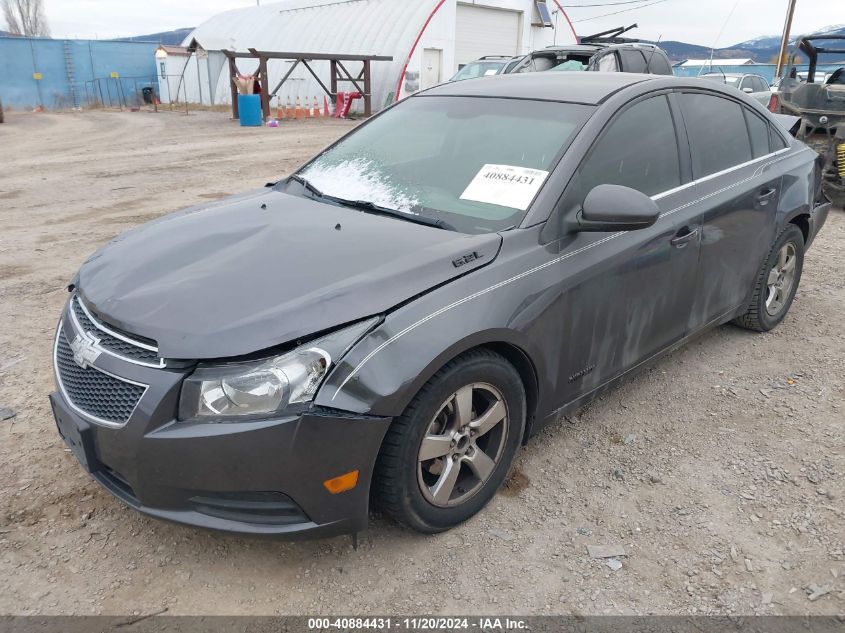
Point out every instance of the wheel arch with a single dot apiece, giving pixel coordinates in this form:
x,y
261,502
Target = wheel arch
x,y
524,366
802,221
505,342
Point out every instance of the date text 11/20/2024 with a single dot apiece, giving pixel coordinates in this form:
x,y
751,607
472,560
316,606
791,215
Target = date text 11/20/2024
x,y
417,624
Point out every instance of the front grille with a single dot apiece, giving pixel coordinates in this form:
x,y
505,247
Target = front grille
x,y
92,392
112,343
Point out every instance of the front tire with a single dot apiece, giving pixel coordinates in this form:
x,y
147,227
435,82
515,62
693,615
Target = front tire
x,y
776,283
444,458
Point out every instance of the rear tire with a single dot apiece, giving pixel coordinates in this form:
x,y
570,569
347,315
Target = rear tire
x,y
444,458
776,283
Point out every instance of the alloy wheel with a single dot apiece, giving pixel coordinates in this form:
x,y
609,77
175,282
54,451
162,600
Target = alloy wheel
x,y
462,445
781,279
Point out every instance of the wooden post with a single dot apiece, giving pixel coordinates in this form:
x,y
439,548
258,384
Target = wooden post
x,y
368,93
263,77
333,65
784,39
233,71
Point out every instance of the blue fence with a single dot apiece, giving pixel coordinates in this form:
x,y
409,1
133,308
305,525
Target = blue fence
x,y
767,71
59,74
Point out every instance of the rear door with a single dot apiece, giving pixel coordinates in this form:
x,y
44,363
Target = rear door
x,y
736,200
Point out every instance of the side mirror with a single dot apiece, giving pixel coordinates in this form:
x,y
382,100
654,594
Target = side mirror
x,y
616,208
747,91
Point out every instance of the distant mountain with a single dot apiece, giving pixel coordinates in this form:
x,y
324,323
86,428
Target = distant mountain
x,y
761,49
171,38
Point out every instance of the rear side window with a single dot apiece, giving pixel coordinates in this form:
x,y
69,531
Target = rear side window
x,y
658,64
632,61
717,133
608,63
758,130
761,85
638,150
776,141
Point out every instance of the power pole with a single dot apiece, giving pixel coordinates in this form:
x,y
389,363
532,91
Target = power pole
x,y
784,39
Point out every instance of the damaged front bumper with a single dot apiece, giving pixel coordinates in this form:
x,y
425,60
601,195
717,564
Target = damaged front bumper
x,y
257,476
260,478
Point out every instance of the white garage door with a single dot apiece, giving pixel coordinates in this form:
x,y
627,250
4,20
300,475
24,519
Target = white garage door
x,y
481,31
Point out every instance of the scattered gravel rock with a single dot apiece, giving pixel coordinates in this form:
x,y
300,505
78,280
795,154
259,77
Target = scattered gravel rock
x,y
605,551
505,536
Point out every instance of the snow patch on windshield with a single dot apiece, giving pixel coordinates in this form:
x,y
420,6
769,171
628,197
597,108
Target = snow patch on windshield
x,y
360,179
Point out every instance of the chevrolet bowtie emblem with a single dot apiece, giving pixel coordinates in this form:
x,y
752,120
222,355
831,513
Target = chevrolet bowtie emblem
x,y
85,350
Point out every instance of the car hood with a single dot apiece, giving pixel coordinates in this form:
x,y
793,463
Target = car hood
x,y
265,268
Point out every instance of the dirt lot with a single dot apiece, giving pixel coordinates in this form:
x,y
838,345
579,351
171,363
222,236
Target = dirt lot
x,y
720,469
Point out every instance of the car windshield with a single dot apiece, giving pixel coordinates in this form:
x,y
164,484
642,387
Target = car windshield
x,y
475,164
478,69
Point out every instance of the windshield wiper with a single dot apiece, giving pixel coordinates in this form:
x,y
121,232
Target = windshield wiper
x,y
305,183
394,213
373,207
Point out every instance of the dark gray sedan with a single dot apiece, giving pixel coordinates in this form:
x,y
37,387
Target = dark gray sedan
x,y
398,317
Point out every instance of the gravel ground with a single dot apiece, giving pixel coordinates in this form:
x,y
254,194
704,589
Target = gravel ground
x,y
719,470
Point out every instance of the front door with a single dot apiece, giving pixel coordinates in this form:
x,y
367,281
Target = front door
x,y
629,294
432,58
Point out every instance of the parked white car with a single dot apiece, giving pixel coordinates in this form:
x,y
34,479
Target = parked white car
x,y
754,86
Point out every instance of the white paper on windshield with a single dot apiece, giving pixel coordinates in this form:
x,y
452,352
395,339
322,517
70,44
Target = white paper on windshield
x,y
505,185
488,73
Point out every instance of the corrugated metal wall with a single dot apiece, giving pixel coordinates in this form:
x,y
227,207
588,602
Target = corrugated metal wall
x,y
70,69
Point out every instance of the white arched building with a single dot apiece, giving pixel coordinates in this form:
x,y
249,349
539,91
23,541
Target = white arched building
x,y
428,40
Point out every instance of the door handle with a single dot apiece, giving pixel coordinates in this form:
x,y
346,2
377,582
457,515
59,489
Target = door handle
x,y
765,195
683,237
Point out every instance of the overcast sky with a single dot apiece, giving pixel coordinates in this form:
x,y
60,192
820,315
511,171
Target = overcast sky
x,y
694,21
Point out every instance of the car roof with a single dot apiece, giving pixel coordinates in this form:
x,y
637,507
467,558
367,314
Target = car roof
x,y
591,88
597,46
714,74
591,48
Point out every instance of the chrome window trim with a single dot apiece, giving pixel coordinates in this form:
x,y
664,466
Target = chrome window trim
x,y
161,364
87,416
717,174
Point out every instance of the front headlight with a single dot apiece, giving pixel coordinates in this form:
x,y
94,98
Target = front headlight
x,y
270,386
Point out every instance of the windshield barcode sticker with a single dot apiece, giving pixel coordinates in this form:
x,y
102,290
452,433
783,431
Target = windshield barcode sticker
x,y
505,185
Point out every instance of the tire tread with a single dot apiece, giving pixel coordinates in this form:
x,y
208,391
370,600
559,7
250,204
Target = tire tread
x,y
388,470
751,319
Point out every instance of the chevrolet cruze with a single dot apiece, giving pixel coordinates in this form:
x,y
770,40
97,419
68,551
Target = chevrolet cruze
x,y
395,319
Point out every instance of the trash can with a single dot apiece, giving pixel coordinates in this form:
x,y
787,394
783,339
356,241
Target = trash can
x,y
249,109
147,93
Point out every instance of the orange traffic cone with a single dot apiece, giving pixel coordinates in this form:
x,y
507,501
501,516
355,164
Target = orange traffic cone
x,y
280,112
316,109
289,109
298,112
326,111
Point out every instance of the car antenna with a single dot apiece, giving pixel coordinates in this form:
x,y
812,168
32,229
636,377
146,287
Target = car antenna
x,y
653,51
716,41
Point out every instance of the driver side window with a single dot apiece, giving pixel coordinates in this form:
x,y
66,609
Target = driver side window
x,y
638,150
